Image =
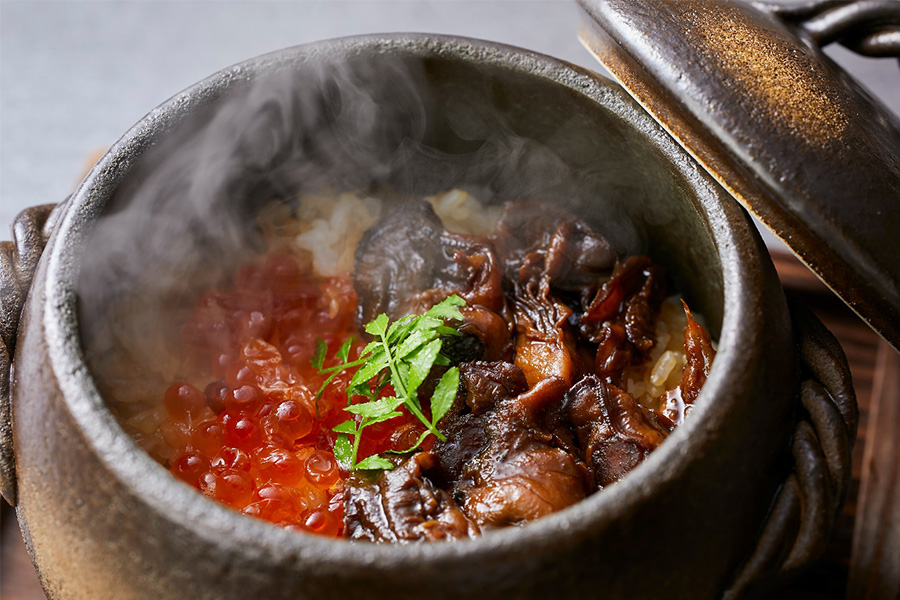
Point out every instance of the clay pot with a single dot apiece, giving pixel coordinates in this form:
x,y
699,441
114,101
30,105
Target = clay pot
x,y
765,453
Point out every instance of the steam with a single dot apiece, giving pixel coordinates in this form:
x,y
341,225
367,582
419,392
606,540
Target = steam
x,y
398,128
193,197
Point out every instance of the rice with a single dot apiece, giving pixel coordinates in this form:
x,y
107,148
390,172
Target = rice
x,y
661,373
463,213
663,367
326,228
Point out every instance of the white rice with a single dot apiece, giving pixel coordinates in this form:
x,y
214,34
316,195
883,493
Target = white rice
x,y
463,213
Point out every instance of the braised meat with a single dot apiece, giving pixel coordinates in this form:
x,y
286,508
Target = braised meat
x,y
615,432
553,328
482,385
547,251
700,354
402,505
399,258
545,347
614,353
539,236
520,474
621,315
408,262
486,383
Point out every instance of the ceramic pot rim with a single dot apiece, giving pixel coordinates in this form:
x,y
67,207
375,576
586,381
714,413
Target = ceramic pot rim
x,y
189,510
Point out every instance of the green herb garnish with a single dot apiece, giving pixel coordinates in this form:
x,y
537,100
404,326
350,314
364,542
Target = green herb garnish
x,y
402,353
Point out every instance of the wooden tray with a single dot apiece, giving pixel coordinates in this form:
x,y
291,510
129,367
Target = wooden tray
x,y
862,559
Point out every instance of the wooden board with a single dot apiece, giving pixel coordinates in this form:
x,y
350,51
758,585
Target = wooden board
x,y
875,564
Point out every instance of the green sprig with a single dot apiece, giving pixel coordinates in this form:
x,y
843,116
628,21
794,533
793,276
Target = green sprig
x,y
402,353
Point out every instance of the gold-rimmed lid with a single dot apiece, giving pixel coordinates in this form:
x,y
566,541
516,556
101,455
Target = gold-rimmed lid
x,y
746,89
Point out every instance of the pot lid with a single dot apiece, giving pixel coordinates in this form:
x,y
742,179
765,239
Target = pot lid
x,y
747,91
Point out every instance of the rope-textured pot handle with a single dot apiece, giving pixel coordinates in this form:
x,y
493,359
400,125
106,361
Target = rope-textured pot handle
x,y
18,260
802,514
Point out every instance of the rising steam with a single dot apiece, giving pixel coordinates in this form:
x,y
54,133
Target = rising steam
x,y
398,128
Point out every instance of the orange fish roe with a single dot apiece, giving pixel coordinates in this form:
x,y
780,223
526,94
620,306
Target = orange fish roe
x,y
255,438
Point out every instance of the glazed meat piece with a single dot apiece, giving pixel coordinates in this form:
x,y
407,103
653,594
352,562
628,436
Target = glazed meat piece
x,y
620,316
700,354
482,386
538,236
492,329
615,432
487,383
396,258
632,295
520,474
643,306
614,353
544,250
403,505
408,262
545,346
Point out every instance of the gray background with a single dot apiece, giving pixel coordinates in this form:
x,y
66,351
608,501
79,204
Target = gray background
x,y
75,75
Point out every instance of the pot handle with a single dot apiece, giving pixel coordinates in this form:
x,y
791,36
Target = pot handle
x,y
867,27
18,259
803,511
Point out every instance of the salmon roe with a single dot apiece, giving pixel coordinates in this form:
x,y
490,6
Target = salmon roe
x,y
253,436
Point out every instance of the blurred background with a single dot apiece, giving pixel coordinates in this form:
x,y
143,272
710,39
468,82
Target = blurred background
x,y
77,74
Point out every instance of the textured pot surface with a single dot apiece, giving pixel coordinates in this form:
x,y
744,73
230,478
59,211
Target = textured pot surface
x,y
103,520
